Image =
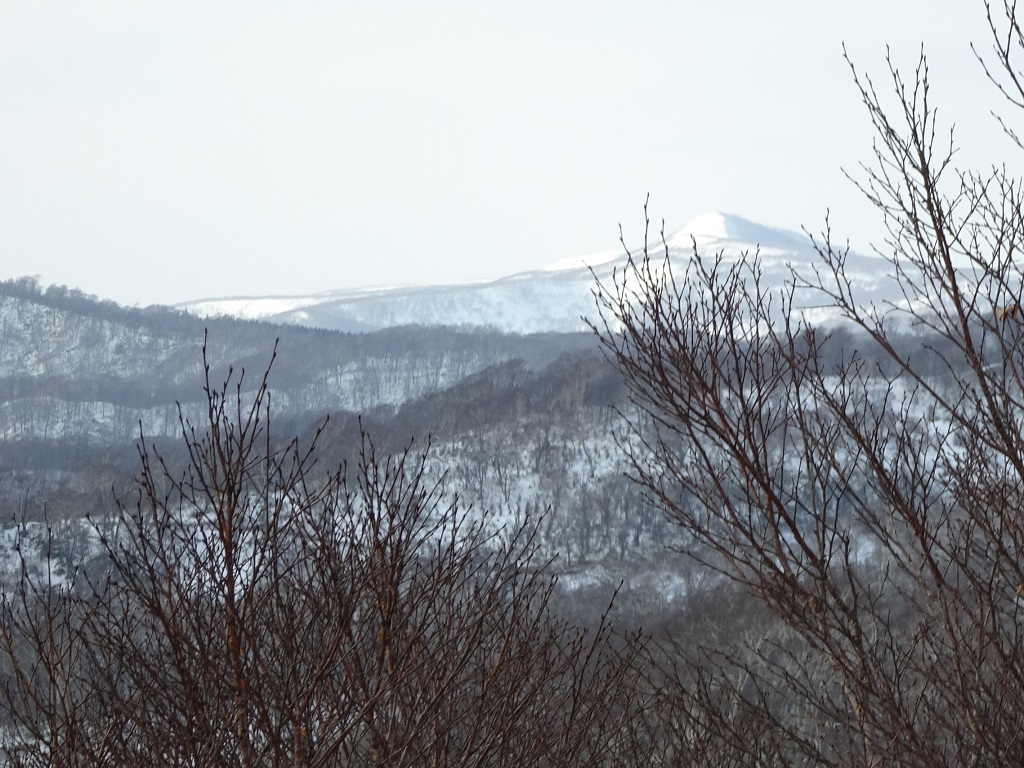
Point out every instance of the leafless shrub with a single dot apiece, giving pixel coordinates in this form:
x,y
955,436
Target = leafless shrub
x,y
263,611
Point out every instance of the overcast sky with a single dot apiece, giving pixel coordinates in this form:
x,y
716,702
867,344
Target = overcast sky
x,y
153,152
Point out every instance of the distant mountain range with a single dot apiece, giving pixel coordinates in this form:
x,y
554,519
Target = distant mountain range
x,y
520,423
555,298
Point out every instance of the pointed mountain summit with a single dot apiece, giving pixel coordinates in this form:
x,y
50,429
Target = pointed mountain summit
x,y
711,231
717,227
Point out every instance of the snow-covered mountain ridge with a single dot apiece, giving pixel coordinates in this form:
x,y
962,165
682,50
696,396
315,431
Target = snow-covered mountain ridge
x,y
554,298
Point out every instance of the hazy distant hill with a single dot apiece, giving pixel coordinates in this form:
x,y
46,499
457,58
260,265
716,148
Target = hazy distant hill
x,y
551,299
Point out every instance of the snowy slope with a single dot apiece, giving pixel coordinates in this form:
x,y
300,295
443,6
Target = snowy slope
x,y
554,298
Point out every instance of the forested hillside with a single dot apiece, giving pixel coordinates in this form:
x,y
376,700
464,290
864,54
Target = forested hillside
x,y
73,367
523,427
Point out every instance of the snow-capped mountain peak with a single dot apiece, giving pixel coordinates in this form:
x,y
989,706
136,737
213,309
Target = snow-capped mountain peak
x,y
554,298
715,227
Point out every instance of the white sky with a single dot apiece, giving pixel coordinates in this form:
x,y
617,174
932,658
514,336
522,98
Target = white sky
x,y
163,151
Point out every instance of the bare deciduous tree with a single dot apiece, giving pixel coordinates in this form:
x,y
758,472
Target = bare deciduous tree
x,y
874,508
